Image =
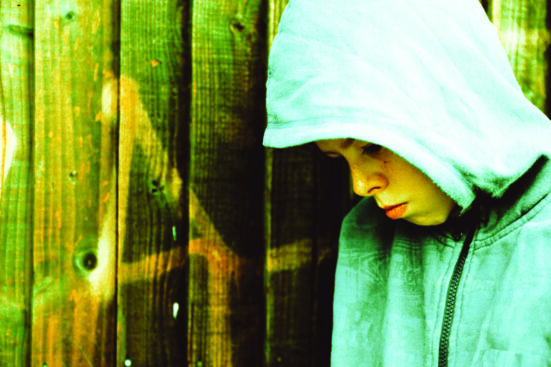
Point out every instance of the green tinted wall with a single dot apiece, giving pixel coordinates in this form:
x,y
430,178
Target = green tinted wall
x,y
142,223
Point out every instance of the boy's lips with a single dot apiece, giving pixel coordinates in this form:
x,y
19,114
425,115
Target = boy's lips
x,y
395,211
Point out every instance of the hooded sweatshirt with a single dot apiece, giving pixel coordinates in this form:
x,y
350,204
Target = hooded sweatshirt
x,y
429,80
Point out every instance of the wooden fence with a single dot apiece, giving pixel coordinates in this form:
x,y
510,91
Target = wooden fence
x,y
142,223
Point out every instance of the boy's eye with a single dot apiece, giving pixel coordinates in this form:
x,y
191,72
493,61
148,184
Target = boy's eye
x,y
371,148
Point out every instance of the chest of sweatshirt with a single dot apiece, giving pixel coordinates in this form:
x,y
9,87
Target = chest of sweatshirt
x,y
500,307
392,293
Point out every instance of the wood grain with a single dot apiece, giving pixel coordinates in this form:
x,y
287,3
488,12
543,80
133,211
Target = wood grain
x,y
16,119
226,313
74,217
152,177
524,31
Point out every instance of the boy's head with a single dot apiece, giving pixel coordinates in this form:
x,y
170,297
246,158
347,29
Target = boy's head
x,y
429,80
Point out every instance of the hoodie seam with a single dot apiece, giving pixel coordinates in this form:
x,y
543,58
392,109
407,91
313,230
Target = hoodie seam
x,y
514,225
288,123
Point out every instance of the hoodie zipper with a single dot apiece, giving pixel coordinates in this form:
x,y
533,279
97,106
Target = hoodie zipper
x,y
451,296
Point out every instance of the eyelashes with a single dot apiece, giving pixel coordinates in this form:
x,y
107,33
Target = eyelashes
x,y
371,149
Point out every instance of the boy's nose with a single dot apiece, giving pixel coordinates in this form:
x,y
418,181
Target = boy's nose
x,y
367,183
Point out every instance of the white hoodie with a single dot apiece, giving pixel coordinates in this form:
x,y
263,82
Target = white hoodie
x,y
427,79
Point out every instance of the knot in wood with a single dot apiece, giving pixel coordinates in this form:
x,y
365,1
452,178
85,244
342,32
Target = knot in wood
x,y
155,186
237,24
90,261
86,261
73,176
69,17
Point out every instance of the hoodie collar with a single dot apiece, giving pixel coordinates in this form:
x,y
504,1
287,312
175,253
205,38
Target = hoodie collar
x,y
491,217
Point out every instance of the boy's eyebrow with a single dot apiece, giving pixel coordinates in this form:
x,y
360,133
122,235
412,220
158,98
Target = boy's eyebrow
x,y
343,145
348,142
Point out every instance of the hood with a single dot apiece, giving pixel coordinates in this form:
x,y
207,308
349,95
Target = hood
x,y
427,79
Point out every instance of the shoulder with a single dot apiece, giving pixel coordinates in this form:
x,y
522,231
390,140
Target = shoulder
x,y
525,207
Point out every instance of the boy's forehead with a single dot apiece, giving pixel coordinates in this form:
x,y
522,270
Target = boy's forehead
x,y
341,143
334,146
345,143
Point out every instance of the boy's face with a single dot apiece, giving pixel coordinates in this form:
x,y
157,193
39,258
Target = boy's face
x,y
398,187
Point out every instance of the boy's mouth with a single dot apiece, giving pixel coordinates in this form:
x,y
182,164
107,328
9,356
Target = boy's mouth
x,y
395,211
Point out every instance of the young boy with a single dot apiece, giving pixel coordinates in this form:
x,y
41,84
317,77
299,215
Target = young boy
x,y
445,262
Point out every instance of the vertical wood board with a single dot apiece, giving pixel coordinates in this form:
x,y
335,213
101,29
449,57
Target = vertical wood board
x,y
74,238
152,181
524,32
226,241
16,114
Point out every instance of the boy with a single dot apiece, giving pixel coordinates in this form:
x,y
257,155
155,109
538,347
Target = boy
x,y
445,262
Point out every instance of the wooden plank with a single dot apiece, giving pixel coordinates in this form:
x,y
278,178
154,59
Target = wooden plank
x,y
15,181
74,211
153,165
523,30
334,199
307,207
226,253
